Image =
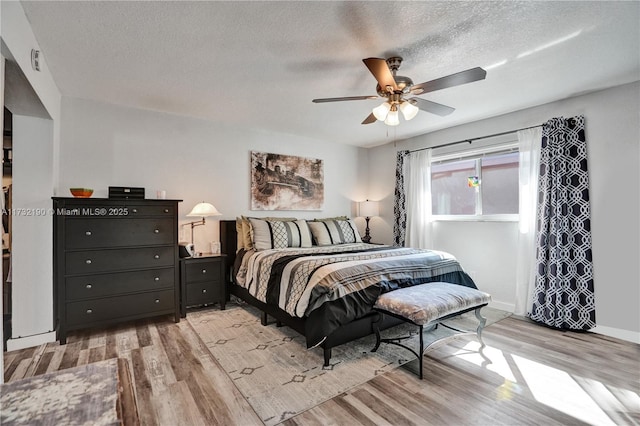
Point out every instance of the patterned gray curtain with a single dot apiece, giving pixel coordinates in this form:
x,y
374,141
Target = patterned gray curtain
x,y
564,295
399,207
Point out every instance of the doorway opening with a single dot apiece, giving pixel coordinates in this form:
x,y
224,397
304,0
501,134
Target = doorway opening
x,y
7,164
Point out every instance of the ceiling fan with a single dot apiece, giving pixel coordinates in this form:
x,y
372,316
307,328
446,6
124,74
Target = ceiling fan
x,y
396,87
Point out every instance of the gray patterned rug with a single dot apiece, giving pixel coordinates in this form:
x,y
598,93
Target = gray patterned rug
x,y
277,374
87,394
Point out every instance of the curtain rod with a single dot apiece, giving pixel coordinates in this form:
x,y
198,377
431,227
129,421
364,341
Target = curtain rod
x,y
475,139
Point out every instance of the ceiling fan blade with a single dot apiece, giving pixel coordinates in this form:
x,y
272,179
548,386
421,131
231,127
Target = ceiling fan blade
x,y
432,107
381,72
462,77
346,98
370,119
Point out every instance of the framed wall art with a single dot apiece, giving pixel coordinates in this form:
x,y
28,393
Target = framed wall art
x,y
286,182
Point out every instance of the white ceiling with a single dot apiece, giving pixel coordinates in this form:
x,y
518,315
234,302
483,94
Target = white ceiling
x,y
259,64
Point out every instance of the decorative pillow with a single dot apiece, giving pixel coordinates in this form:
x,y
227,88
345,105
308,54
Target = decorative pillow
x,y
290,234
240,245
330,232
245,236
247,231
269,234
332,218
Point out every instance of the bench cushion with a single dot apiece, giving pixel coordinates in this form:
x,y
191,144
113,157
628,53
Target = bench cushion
x,y
424,303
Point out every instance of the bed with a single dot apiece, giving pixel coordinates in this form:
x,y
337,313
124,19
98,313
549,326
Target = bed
x,y
326,292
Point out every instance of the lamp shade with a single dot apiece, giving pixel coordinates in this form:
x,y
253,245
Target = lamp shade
x,y
381,111
204,210
409,110
369,208
392,118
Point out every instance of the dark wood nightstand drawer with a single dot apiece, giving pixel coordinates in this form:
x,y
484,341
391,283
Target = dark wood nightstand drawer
x,y
118,307
203,293
208,270
97,233
92,261
89,286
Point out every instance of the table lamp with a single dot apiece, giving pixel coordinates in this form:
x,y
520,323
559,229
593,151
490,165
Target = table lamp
x,y
202,210
368,209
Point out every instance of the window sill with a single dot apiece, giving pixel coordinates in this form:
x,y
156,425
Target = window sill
x,y
474,218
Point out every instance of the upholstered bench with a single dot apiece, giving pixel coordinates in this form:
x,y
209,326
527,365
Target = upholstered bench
x,y
427,305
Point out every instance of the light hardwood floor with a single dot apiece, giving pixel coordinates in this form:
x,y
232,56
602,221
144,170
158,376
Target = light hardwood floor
x,y
528,374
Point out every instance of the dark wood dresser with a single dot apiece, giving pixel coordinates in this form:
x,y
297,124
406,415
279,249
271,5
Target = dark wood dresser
x,y
114,261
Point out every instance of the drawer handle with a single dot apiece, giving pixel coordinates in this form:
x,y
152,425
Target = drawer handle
x,y
204,271
88,261
156,279
88,233
157,300
89,311
204,291
88,286
156,231
166,210
157,256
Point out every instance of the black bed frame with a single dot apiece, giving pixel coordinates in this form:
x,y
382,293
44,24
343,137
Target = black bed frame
x,y
354,330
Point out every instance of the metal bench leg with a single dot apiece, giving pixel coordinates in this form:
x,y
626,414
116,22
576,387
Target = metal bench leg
x,y
396,341
483,321
421,352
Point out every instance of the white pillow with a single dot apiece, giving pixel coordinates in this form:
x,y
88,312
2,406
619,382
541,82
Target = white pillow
x,y
331,232
279,234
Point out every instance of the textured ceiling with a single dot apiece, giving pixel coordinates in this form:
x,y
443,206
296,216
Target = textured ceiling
x,y
259,64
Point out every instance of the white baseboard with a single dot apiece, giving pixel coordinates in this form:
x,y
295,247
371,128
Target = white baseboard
x,y
30,341
618,333
509,307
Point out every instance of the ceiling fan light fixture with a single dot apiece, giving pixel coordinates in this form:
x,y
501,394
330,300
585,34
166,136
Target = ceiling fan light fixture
x,y
394,88
381,111
392,118
409,110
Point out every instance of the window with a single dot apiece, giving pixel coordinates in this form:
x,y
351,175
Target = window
x,y
482,186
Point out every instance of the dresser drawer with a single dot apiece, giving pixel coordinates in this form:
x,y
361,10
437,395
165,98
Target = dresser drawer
x,y
99,285
89,208
96,233
152,210
203,271
119,307
92,261
203,293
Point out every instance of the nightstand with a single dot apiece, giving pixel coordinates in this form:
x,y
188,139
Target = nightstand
x,y
202,281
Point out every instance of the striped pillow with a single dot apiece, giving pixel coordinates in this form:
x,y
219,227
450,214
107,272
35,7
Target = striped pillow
x,y
330,232
247,233
279,234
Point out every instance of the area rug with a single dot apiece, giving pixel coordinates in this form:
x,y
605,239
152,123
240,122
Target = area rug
x,y
87,394
280,378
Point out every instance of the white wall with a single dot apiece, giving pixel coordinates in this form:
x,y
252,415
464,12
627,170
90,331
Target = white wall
x,y
35,325
488,258
32,242
613,135
106,145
